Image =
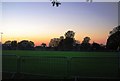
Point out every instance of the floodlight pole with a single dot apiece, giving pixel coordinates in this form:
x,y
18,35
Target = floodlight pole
x,y
1,39
118,63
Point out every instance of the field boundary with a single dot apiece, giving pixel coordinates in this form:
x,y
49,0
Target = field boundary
x,y
68,66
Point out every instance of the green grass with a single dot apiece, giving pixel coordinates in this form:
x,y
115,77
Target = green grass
x,y
58,53
84,64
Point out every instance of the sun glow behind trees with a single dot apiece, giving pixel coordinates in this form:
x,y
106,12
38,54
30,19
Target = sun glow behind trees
x,y
39,22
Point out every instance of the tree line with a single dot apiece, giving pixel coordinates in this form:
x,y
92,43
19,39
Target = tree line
x,y
69,43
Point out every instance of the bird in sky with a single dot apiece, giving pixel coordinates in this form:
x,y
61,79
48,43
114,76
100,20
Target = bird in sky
x,y
55,2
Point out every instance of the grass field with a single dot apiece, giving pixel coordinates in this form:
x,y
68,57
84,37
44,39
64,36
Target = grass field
x,y
58,53
59,63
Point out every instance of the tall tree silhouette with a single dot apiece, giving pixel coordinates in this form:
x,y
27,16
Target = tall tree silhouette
x,y
113,41
68,42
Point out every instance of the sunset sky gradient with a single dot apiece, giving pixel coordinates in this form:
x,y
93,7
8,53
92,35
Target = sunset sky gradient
x,y
40,21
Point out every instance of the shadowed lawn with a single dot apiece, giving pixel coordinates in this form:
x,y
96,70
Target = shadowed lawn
x,y
59,63
57,53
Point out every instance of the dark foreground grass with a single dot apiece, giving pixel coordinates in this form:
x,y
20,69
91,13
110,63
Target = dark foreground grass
x,y
58,53
62,64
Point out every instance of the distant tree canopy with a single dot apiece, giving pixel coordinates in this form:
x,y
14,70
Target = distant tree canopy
x,y
25,45
10,45
113,41
8,42
96,47
69,34
68,43
22,45
85,45
14,44
86,40
54,42
62,43
61,38
43,45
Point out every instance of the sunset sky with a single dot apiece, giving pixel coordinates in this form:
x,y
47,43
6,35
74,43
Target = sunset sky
x,y
40,21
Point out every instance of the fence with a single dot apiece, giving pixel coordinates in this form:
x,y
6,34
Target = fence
x,y
62,66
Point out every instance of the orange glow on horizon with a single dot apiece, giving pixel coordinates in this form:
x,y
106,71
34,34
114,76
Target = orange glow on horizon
x,y
39,40
42,37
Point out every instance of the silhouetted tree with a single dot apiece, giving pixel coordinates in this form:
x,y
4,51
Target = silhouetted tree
x,y
26,45
85,45
61,37
103,47
86,40
14,45
116,29
113,41
43,45
68,42
54,42
69,34
95,46
8,42
61,43
76,45
31,43
7,45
